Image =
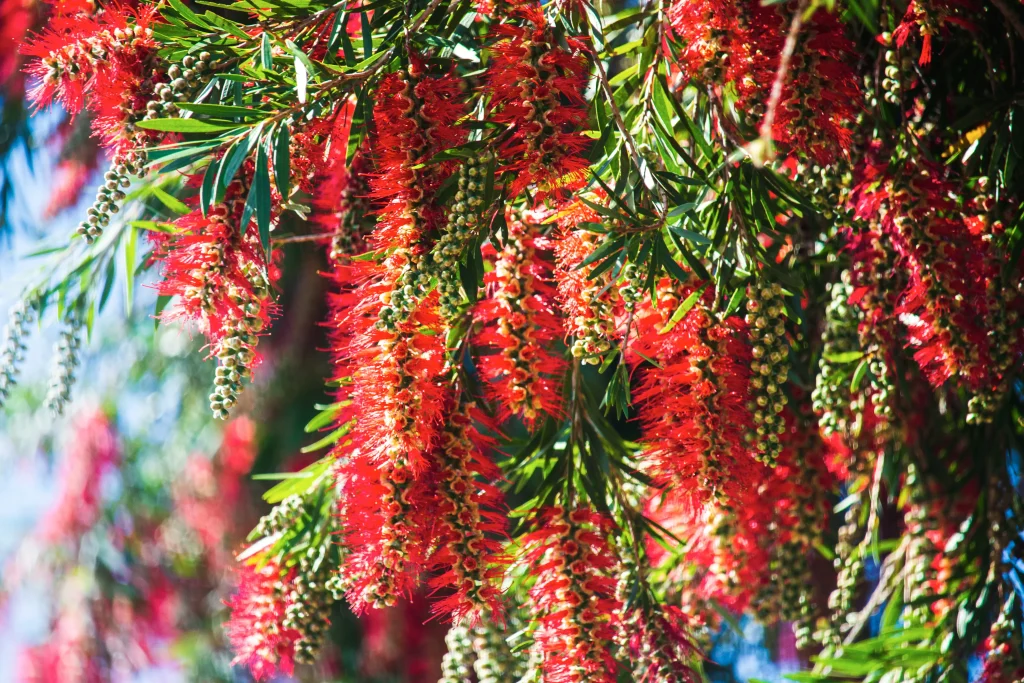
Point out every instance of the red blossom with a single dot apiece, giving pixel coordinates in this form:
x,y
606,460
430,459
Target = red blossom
x,y
471,508
93,453
537,90
393,380
255,627
519,326
98,56
693,407
573,598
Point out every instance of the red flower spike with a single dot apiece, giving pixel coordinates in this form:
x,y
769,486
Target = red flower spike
x,y
945,306
393,383
519,326
740,43
694,407
97,55
216,269
469,548
573,598
536,89
590,305
930,18
255,627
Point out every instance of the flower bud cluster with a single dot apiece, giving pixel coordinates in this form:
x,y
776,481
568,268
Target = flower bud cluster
x,y
770,369
13,352
78,60
463,225
892,85
183,82
495,662
831,399
111,193
919,521
1003,649
313,591
849,566
236,352
65,361
280,518
457,663
594,324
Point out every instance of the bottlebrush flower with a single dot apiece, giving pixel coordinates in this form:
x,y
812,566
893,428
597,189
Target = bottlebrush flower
x,y
929,18
16,19
589,303
393,385
948,269
693,407
537,90
91,454
469,548
217,270
255,627
72,176
520,326
80,54
415,116
340,194
741,44
573,598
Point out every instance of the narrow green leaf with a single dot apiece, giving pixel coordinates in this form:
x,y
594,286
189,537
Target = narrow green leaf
x,y
683,309
858,375
130,246
188,126
225,110
173,203
261,186
282,161
266,53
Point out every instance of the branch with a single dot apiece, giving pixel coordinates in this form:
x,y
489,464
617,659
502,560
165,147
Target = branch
x,y
1011,16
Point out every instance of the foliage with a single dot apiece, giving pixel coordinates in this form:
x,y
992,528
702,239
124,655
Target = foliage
x,y
706,293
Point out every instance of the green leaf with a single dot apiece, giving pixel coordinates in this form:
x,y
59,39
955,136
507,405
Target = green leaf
x,y
683,309
282,161
266,52
844,357
208,190
858,375
173,203
328,440
187,126
261,186
130,246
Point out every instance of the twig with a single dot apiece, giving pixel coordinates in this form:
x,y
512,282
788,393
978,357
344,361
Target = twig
x,y
289,239
1011,16
881,593
765,131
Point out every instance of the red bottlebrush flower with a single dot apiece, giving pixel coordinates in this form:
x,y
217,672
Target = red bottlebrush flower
x,y
694,407
929,18
393,380
72,176
87,54
573,598
821,96
536,89
470,508
415,117
340,193
92,454
255,627
217,270
519,325
948,269
590,305
658,644
741,43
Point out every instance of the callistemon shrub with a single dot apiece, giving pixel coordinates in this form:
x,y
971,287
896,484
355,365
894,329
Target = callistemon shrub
x,y
639,319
